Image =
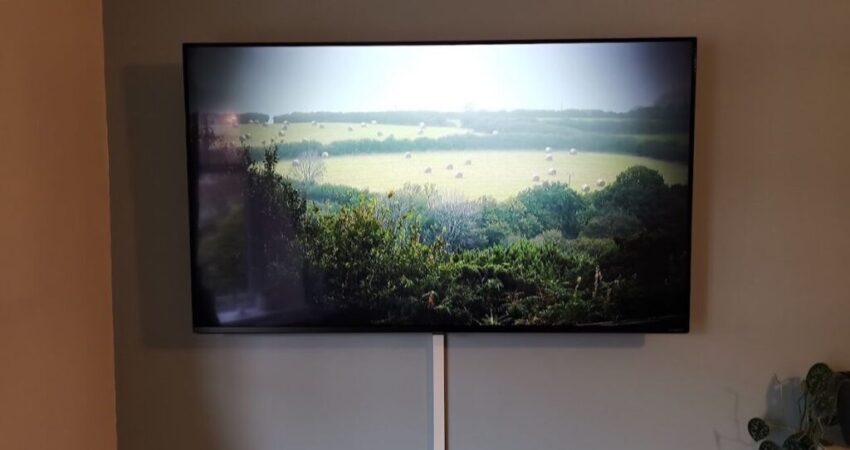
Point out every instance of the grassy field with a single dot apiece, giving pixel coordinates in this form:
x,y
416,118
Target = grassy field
x,y
497,173
327,133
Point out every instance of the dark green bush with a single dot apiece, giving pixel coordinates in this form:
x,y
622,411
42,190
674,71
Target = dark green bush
x,y
503,221
555,206
372,270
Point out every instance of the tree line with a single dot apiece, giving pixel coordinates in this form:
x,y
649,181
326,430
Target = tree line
x,y
670,148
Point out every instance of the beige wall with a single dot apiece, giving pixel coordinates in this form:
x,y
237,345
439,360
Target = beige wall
x,y
56,360
771,250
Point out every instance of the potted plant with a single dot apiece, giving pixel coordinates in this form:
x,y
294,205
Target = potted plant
x,y
824,403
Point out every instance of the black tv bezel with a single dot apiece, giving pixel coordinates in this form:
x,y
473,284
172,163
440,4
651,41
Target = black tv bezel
x,y
191,163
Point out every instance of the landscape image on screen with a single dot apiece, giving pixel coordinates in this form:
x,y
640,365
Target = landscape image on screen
x,y
517,186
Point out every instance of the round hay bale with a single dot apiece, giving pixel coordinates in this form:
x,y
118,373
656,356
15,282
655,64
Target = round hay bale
x,y
549,158
585,188
573,151
350,129
407,155
427,170
468,162
552,171
459,175
296,162
450,167
535,178
548,149
362,124
600,183
325,154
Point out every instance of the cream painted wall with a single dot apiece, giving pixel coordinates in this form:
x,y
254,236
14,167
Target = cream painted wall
x,y
771,247
57,387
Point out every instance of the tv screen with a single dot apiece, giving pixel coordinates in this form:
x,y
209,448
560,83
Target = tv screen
x,y
436,187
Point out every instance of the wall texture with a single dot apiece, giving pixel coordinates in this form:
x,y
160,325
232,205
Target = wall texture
x,y
771,247
57,387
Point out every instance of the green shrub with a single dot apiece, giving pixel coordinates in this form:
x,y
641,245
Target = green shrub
x,y
598,249
332,193
551,237
555,206
503,221
372,270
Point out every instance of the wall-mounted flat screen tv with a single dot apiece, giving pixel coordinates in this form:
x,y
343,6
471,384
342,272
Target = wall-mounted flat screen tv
x,y
441,186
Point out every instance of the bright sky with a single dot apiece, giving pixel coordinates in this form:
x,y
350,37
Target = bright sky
x,y
276,80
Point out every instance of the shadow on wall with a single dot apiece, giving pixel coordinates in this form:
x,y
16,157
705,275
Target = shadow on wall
x,y
783,405
545,340
150,278
703,166
156,171
738,440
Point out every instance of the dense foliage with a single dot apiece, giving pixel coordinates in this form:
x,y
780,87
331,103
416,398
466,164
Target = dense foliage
x,y
549,256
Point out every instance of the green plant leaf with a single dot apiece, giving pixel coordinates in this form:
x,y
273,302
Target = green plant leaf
x,y
821,387
819,378
791,444
799,441
758,429
769,445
